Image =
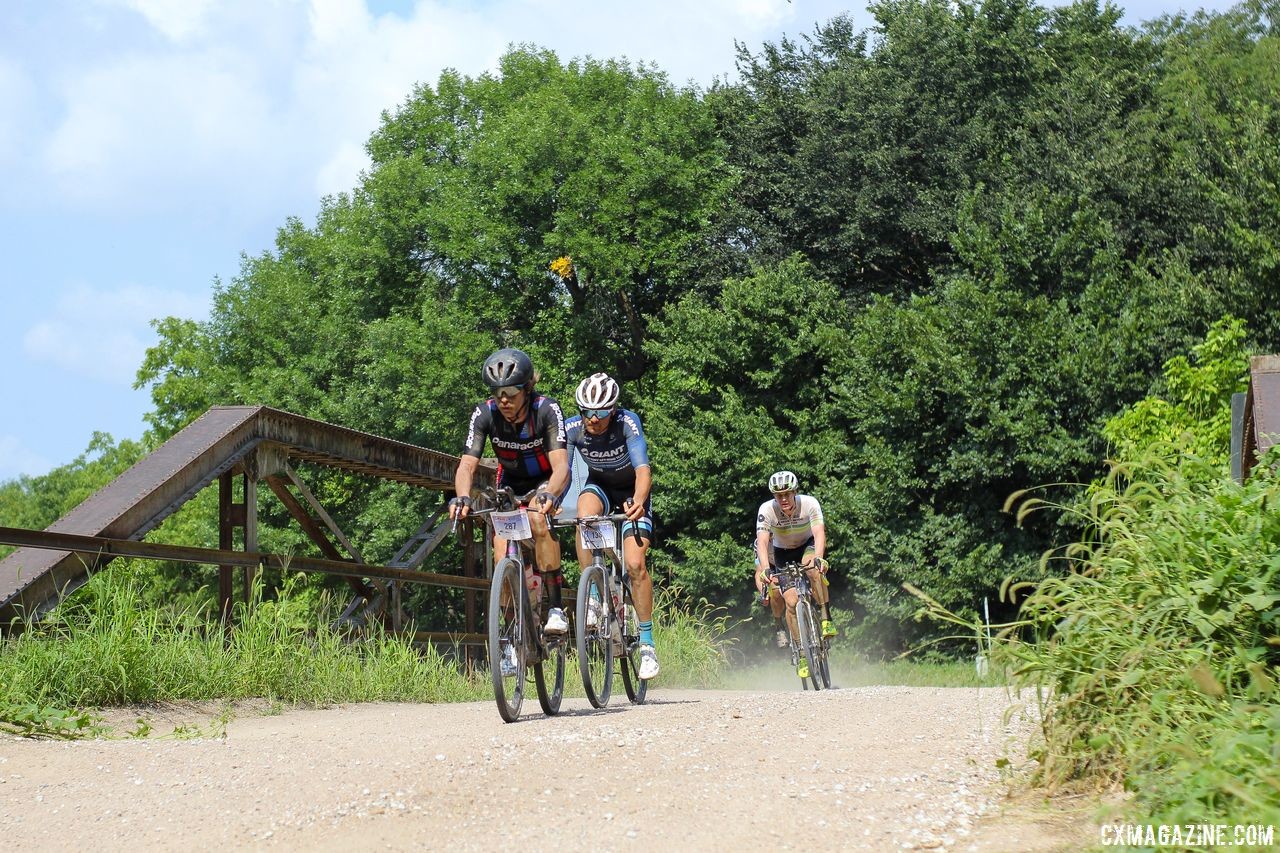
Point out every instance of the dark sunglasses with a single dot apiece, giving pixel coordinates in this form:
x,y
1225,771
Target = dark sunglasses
x,y
597,414
508,392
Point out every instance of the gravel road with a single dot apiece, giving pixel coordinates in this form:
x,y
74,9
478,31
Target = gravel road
x,y
870,768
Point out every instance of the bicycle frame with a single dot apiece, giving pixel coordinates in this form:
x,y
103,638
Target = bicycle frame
x,y
509,597
605,615
810,641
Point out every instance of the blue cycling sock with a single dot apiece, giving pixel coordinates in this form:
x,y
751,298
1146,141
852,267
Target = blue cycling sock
x,y
646,633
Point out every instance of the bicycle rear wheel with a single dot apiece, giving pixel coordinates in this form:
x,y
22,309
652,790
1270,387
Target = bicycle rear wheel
x,y
595,640
636,687
824,662
808,641
551,684
506,618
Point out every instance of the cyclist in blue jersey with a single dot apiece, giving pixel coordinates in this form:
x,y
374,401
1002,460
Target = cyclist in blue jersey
x,y
527,433
611,442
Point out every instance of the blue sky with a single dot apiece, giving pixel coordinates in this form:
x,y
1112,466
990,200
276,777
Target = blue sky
x,y
146,144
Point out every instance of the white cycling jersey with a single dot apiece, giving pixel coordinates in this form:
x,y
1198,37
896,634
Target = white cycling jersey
x,y
790,531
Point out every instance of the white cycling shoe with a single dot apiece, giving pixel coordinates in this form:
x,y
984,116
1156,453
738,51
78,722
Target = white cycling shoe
x,y
648,663
557,624
510,666
594,610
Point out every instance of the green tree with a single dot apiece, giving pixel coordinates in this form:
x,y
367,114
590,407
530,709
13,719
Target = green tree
x,y
738,377
586,187
1195,419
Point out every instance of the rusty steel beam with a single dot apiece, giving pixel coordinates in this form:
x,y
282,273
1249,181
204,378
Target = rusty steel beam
x,y
93,550
293,477
427,538
223,440
314,531
1262,410
464,638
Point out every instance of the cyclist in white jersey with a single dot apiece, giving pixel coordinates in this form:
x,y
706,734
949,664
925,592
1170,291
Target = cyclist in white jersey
x,y
790,528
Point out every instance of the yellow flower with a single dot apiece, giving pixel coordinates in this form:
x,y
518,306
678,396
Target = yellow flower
x,y
562,266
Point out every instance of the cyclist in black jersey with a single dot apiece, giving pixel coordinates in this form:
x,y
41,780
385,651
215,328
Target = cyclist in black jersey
x,y
527,433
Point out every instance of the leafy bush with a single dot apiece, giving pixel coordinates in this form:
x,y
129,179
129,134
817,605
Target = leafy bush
x,y
1159,648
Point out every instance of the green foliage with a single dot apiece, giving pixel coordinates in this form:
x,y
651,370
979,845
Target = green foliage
x,y
921,265
1197,418
738,376
599,162
1159,650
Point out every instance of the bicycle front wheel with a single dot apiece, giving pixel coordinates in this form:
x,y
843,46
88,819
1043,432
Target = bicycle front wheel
x,y
595,637
507,658
630,661
808,641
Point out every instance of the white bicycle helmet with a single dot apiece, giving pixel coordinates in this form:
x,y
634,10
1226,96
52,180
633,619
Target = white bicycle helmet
x,y
783,481
597,391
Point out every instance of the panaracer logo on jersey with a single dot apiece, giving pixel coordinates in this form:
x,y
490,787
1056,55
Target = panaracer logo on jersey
x,y
1187,835
515,445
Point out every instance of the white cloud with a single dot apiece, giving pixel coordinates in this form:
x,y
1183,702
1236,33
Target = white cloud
x,y
340,173
17,459
250,102
104,334
17,97
147,133
177,19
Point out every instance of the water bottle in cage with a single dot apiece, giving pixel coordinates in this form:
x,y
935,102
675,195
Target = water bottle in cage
x,y
533,581
619,619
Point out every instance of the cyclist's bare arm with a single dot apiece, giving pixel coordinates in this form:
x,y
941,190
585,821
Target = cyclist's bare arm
x,y
762,556
820,541
644,482
462,479
559,460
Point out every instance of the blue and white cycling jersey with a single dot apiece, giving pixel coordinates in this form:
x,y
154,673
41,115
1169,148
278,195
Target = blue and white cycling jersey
x,y
613,456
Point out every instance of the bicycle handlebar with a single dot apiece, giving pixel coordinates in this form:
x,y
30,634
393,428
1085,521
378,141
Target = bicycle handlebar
x,y
617,518
503,499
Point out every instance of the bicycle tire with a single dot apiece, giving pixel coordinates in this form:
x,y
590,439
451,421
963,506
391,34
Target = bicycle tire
x,y
549,696
507,623
808,641
637,688
595,642
824,666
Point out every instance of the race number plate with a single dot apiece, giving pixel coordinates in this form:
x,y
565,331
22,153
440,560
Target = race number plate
x,y
512,525
596,535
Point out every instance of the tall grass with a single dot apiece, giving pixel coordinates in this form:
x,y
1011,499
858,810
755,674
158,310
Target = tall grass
x,y
1157,645
690,641
107,646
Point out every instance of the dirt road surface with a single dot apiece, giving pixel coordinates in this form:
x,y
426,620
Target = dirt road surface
x,y
873,768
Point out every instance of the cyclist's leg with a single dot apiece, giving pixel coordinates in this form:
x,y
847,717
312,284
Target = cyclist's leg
x,y
818,587
790,596
633,556
821,594
547,550
590,502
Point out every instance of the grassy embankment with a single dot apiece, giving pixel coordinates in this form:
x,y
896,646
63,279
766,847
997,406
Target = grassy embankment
x,y
106,647
1157,644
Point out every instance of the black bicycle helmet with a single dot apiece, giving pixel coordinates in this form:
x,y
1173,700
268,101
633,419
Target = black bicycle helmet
x,y
508,367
